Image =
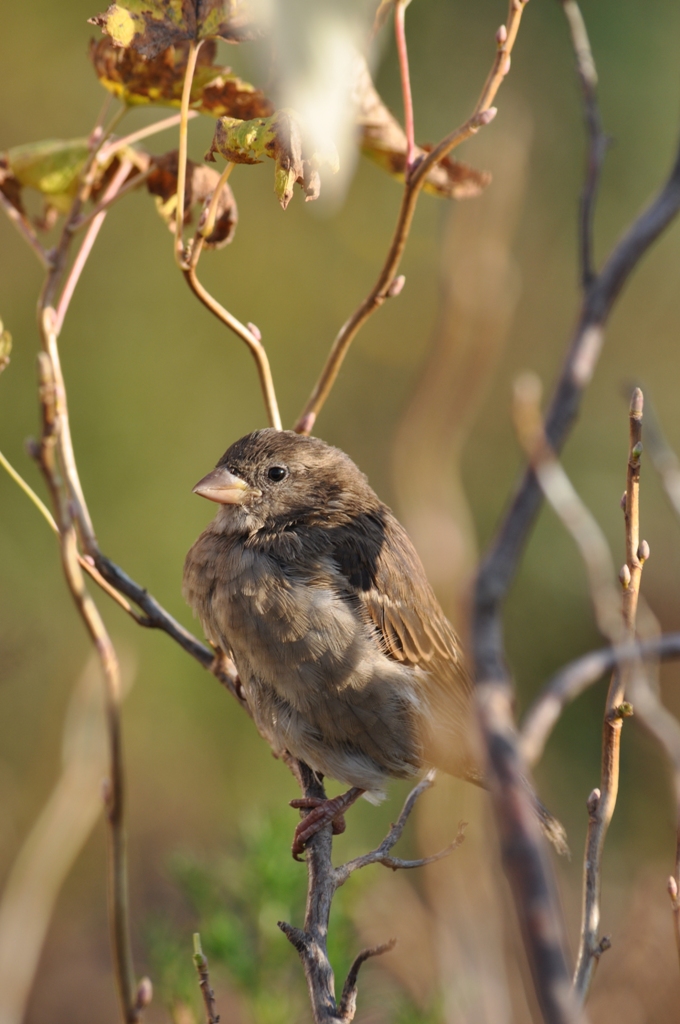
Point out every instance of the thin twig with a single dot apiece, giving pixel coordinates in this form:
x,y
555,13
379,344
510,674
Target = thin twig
x,y
192,56
597,140
25,229
381,855
90,238
348,999
402,51
201,965
48,457
573,513
245,334
574,679
483,114
602,801
116,145
105,203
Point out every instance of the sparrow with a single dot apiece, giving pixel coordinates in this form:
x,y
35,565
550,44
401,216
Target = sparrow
x,y
307,580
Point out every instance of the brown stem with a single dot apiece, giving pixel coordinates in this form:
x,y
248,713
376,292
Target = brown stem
x,y
192,57
483,115
116,145
402,51
49,459
201,964
602,802
245,334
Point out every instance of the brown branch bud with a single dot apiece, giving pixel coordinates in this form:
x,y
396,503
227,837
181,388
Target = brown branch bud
x,y
643,551
396,287
144,994
254,330
673,891
593,801
636,404
502,35
624,577
622,503
603,945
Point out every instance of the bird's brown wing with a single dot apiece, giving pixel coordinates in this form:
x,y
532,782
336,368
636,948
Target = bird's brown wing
x,y
387,579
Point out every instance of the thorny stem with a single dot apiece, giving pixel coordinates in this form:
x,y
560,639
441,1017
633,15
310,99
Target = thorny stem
x,y
254,344
402,51
602,802
483,114
183,146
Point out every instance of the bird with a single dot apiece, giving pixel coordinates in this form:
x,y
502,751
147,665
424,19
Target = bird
x,y
346,660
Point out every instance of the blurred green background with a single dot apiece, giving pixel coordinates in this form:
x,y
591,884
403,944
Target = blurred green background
x,y
158,389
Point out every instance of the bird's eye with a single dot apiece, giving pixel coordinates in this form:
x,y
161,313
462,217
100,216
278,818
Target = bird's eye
x,y
276,473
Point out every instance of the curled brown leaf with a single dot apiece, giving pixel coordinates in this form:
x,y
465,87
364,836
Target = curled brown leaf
x,y
159,80
200,185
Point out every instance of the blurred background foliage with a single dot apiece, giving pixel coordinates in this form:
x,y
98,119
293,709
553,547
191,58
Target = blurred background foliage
x,y
158,389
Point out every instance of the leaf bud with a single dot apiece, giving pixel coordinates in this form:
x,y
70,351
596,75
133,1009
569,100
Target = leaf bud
x,y
502,35
672,888
623,500
624,577
636,451
396,287
144,993
643,551
593,801
254,330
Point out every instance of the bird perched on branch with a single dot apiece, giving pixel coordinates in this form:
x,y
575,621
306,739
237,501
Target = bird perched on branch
x,y
347,661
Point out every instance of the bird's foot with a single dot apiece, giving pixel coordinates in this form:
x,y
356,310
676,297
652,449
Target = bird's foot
x,y
321,813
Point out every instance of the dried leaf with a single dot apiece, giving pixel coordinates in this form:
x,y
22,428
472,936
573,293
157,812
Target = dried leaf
x,y
5,347
200,185
383,140
280,138
136,80
151,26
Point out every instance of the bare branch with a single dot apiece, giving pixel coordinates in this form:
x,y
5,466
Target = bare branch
x,y
348,1000
483,114
381,855
201,964
597,140
571,681
115,146
602,801
402,51
245,334
192,56
530,874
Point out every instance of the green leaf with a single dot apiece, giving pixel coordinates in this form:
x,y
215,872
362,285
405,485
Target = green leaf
x,y
52,167
280,138
151,26
139,81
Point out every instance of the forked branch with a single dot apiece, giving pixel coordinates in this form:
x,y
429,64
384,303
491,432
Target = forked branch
x,y
382,289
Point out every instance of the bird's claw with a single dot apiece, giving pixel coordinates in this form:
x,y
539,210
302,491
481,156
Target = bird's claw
x,y
322,812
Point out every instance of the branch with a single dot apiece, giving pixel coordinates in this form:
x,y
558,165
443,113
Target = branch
x,y
530,874
597,140
245,334
201,965
571,681
402,51
192,57
48,456
381,854
483,114
323,881
115,146
602,801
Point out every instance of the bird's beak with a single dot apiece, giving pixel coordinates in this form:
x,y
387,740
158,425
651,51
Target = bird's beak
x,y
223,487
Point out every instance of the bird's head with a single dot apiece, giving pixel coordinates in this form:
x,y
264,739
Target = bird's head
x,y
273,479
